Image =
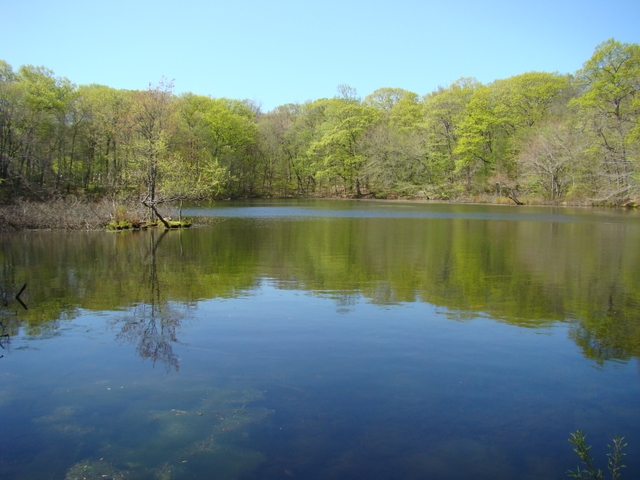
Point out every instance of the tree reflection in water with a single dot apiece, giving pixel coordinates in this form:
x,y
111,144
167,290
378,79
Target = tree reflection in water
x,y
4,338
8,325
153,323
153,328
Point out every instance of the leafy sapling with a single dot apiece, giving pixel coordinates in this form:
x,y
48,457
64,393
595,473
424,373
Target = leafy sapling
x,y
615,458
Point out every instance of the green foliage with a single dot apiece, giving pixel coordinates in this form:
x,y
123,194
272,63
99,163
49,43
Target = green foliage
x,y
104,136
610,106
338,149
180,223
614,464
498,115
119,225
555,137
399,107
43,91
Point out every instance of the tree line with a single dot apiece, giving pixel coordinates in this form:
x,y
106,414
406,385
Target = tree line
x,y
532,137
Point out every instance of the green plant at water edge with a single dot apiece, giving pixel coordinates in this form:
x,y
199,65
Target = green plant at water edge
x,y
614,466
179,223
119,225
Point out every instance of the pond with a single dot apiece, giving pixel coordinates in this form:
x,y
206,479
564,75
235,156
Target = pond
x,y
323,339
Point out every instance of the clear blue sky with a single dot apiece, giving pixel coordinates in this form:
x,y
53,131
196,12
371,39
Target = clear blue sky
x,y
277,52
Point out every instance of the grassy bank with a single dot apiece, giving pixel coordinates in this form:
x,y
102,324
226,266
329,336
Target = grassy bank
x,y
74,214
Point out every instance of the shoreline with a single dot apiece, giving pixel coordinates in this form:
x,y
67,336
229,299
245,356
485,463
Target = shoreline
x,y
83,215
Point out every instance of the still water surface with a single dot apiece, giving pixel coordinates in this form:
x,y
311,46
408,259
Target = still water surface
x,y
322,340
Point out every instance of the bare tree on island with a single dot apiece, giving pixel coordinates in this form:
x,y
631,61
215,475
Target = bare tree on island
x,y
154,126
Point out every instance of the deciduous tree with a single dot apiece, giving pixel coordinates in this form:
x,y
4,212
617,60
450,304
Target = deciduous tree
x,y
611,106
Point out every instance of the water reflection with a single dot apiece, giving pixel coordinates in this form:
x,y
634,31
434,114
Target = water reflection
x,y
152,324
317,348
153,329
529,273
8,322
5,338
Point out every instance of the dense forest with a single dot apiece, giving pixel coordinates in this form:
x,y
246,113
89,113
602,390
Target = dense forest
x,y
534,137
